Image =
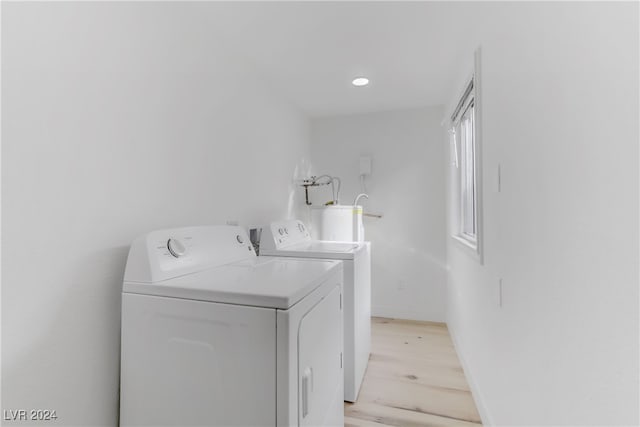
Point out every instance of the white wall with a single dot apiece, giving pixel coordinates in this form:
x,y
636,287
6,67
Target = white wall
x,y
407,186
117,119
560,115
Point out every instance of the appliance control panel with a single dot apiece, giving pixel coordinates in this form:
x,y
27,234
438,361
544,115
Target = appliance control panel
x,y
284,233
164,254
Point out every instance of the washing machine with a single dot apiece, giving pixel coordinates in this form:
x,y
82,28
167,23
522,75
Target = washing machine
x,y
213,335
291,238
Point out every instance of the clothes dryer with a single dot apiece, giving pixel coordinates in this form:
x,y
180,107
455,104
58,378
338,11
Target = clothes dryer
x,y
214,336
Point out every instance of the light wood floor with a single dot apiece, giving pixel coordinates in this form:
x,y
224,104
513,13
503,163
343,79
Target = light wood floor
x,y
414,379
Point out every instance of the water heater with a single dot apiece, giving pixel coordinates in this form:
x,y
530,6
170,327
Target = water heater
x,y
341,223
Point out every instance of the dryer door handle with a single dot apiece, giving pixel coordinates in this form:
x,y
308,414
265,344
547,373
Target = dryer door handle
x,y
307,387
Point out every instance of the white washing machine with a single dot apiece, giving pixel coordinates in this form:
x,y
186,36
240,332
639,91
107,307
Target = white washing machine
x,y
214,336
292,239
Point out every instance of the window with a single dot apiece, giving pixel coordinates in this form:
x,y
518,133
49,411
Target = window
x,y
464,133
465,187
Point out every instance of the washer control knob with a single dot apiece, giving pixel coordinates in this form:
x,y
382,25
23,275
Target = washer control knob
x,y
176,247
286,231
300,227
239,239
281,231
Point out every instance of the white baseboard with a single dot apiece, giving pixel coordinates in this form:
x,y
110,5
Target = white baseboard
x,y
398,313
487,419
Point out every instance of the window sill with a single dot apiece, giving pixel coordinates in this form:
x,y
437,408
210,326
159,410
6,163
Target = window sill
x,y
469,248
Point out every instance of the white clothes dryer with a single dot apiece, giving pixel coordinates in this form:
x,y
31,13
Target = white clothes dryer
x,y
291,238
214,336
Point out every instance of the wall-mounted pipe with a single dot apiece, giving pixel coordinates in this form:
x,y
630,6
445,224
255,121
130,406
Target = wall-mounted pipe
x,y
358,197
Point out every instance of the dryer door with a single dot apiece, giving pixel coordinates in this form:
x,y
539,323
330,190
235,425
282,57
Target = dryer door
x,y
320,374
196,363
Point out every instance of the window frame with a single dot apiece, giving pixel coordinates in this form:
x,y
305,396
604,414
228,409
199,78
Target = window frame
x,y
460,184
468,227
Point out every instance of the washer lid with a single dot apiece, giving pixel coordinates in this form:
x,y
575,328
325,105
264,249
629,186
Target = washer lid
x,y
317,249
261,282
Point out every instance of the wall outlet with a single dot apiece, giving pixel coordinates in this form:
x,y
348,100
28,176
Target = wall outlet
x,y
401,285
232,222
499,301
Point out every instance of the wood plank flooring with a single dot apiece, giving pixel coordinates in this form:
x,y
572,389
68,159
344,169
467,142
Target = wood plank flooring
x,y
413,379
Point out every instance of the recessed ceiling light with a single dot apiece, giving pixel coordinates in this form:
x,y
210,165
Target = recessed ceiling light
x,y
360,81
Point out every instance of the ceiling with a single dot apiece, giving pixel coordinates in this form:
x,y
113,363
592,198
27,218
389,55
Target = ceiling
x,y
310,51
